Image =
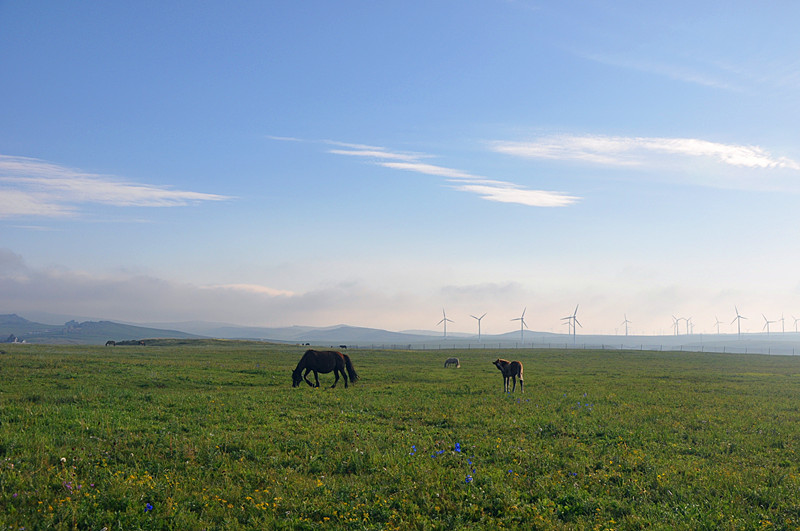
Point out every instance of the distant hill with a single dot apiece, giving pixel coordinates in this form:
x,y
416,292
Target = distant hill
x,y
98,332
304,334
73,332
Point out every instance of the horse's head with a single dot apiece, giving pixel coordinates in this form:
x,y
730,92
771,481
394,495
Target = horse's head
x,y
297,377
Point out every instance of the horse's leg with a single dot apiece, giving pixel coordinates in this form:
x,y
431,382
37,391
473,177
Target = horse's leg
x,y
316,378
336,374
521,390
305,377
344,377
514,379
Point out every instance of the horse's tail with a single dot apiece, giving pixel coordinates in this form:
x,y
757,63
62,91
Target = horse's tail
x,y
520,372
351,372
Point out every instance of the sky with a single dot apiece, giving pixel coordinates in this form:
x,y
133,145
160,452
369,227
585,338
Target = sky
x,y
377,163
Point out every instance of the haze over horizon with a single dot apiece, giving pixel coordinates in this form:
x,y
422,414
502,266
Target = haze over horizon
x,y
277,163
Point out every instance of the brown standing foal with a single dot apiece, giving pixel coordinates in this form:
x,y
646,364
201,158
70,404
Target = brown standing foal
x,y
511,370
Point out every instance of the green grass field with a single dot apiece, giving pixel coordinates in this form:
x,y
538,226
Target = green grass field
x,y
211,435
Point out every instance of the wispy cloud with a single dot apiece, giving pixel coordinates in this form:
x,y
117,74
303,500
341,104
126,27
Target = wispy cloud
x,y
705,76
255,289
637,151
153,298
510,193
374,152
430,169
32,187
488,189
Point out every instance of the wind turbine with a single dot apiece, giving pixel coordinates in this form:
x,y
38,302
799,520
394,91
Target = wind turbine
x,y
687,324
675,321
717,323
795,322
738,320
522,325
479,324
783,324
767,322
572,320
444,320
625,322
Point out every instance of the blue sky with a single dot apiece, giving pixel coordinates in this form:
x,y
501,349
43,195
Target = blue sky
x,y
371,163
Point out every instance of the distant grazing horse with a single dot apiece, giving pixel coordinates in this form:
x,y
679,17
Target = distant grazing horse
x,y
323,361
511,370
452,361
111,343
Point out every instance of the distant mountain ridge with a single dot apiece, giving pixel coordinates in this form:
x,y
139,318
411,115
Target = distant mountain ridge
x,y
335,336
98,332
297,334
85,333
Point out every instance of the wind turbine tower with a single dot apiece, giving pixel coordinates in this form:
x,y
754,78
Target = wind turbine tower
x,y
479,324
795,322
717,323
767,323
738,320
444,320
522,325
675,321
625,322
572,320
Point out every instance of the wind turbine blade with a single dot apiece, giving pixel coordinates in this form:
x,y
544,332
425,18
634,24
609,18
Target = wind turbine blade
x,y
579,323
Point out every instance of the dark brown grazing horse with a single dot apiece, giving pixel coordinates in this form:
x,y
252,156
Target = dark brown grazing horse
x,y
511,370
324,361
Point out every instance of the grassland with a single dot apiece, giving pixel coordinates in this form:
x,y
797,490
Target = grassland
x,y
211,435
